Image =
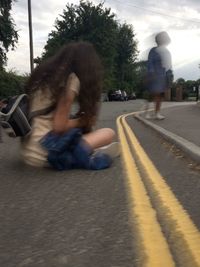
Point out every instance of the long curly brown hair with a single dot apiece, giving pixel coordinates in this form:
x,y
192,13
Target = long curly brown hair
x,y
80,58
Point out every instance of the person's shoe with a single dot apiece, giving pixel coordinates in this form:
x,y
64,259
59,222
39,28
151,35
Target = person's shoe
x,y
158,116
112,150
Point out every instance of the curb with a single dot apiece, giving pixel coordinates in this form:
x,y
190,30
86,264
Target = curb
x,y
192,150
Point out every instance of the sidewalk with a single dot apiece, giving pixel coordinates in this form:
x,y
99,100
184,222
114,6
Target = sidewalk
x,y
181,127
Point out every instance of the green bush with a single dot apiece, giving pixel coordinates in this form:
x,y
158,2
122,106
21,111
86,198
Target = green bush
x,y
11,84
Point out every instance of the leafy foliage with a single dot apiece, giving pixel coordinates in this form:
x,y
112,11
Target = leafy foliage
x,y
114,42
8,34
189,88
139,79
126,56
11,84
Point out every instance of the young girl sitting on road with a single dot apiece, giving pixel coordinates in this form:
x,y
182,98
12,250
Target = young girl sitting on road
x,y
56,139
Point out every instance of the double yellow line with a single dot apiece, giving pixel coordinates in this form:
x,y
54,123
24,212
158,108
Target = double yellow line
x,y
164,234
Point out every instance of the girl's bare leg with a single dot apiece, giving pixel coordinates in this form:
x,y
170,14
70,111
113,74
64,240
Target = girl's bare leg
x,y
99,138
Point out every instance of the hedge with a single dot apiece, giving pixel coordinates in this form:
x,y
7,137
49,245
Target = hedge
x,y
11,84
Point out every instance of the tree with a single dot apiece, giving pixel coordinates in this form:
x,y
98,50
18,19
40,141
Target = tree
x,y
98,25
140,77
180,81
11,83
8,34
126,56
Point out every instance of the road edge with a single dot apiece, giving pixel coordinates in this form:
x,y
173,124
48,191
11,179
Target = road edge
x,y
189,148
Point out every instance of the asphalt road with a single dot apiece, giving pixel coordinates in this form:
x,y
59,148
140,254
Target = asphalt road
x,y
180,173
80,218
73,218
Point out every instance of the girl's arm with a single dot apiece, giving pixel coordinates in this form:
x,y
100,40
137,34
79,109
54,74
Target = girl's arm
x,y
61,121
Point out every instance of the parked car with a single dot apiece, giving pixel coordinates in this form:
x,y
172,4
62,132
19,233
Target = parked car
x,y
117,95
132,96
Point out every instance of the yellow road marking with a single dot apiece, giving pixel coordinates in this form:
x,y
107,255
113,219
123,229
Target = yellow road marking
x,y
152,247
184,236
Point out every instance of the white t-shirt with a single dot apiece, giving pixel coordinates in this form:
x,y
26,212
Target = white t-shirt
x,y
31,150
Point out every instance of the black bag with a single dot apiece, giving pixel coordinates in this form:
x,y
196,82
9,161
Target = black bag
x,y
15,118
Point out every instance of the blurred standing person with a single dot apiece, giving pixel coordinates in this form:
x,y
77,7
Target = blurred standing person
x,y
159,72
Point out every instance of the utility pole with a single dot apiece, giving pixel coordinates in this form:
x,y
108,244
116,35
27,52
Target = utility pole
x,y
30,35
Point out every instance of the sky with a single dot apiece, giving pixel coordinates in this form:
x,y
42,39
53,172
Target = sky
x,y
180,18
